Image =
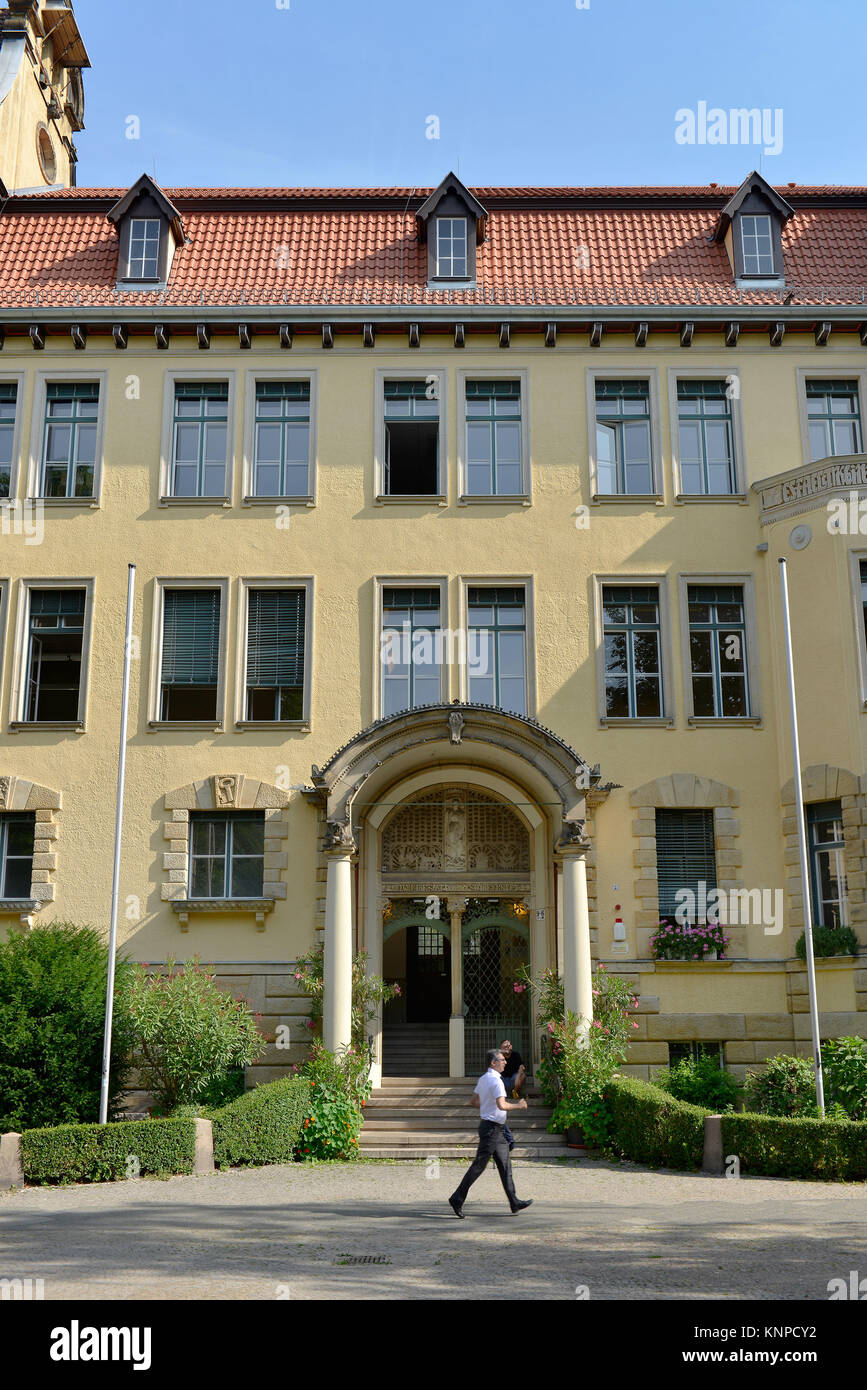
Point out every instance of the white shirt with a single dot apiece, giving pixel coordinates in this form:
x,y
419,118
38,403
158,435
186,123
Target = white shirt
x,y
488,1087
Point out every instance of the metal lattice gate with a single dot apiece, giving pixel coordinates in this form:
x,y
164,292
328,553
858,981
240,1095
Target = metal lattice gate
x,y
492,955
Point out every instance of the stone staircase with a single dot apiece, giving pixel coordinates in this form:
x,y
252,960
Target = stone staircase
x,y
417,1117
416,1049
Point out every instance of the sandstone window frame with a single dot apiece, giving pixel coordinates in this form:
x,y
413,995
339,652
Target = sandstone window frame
x,y
614,371
19,380
178,376
625,581
21,644
160,585
739,492
252,377
827,782
381,497
20,794
745,580
496,581
856,558
59,376
380,584
224,792
828,373
307,584
521,375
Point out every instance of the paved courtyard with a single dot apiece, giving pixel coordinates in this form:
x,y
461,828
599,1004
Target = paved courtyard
x,y
289,1232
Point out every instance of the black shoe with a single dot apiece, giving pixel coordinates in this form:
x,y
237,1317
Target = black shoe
x,y
457,1207
519,1206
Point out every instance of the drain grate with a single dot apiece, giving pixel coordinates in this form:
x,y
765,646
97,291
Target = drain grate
x,y
362,1260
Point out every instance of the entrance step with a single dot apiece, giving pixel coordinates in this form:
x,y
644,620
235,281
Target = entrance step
x,y
415,1049
421,1117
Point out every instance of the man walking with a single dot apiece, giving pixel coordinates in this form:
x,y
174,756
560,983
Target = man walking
x,y
492,1141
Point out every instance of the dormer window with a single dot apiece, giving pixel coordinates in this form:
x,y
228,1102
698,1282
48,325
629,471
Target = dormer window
x,y
149,229
750,226
451,247
144,248
452,222
757,245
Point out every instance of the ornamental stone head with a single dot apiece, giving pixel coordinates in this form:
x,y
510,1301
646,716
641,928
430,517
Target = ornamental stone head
x,y
338,835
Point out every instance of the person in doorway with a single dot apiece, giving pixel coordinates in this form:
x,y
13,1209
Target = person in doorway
x,y
493,1108
516,1073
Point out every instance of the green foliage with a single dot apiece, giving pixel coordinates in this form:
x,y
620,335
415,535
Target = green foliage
x,y
263,1125
190,1034
104,1153
699,1081
52,1014
650,1126
787,1087
797,1148
368,991
680,941
547,988
829,941
844,1071
583,1066
339,1088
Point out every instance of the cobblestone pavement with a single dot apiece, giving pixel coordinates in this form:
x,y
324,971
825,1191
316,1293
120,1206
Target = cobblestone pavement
x,y
288,1232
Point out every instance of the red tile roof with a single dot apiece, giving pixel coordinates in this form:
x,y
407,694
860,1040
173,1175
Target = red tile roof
x,y
555,246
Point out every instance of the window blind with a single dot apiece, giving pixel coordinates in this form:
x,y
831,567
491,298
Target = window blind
x,y
275,637
684,855
191,637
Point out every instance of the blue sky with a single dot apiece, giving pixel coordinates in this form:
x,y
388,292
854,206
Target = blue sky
x,y
247,92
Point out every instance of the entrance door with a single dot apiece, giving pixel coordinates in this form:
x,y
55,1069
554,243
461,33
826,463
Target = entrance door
x,y
428,975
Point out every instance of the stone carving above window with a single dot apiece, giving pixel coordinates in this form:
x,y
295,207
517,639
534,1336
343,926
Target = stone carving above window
x,y
453,830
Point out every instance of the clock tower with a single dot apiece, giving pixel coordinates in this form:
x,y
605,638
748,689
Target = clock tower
x,y
41,94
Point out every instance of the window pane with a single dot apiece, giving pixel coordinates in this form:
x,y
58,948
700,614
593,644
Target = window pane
x,y
247,878
248,837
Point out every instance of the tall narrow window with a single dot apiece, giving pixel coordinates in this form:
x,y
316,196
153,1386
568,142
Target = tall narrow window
x,y
757,245
829,890
863,572
189,674
69,439
494,465
717,650
17,832
8,403
144,248
834,418
497,648
633,666
452,247
623,450
55,643
411,439
275,654
281,462
227,854
685,857
200,438
707,456
410,648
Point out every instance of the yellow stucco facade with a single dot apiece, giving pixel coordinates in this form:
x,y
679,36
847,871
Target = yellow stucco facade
x,y
559,542
41,96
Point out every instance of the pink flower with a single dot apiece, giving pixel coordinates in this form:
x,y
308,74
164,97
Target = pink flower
x,y
550,1027
635,1025
397,989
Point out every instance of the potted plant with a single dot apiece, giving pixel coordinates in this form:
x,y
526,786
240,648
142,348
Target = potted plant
x,y
682,941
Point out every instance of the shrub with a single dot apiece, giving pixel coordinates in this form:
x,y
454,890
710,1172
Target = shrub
x,y
649,1126
339,1088
699,1081
103,1153
368,991
584,1066
786,1087
844,1070
829,941
797,1148
189,1032
52,1015
263,1125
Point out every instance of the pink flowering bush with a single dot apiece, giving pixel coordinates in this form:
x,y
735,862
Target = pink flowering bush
x,y
368,991
673,940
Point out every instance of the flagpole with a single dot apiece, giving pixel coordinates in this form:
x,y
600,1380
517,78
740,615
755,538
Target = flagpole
x,y
802,845
118,833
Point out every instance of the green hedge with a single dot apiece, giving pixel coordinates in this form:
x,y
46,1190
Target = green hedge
x,y
797,1148
650,1126
262,1126
103,1153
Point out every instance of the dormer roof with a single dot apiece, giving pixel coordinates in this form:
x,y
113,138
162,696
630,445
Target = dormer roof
x,y
451,185
145,187
753,183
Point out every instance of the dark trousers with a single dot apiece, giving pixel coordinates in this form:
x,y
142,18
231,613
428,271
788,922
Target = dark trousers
x,y
493,1144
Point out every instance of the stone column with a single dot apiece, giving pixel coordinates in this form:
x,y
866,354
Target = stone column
x,y
456,908
577,965
337,967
